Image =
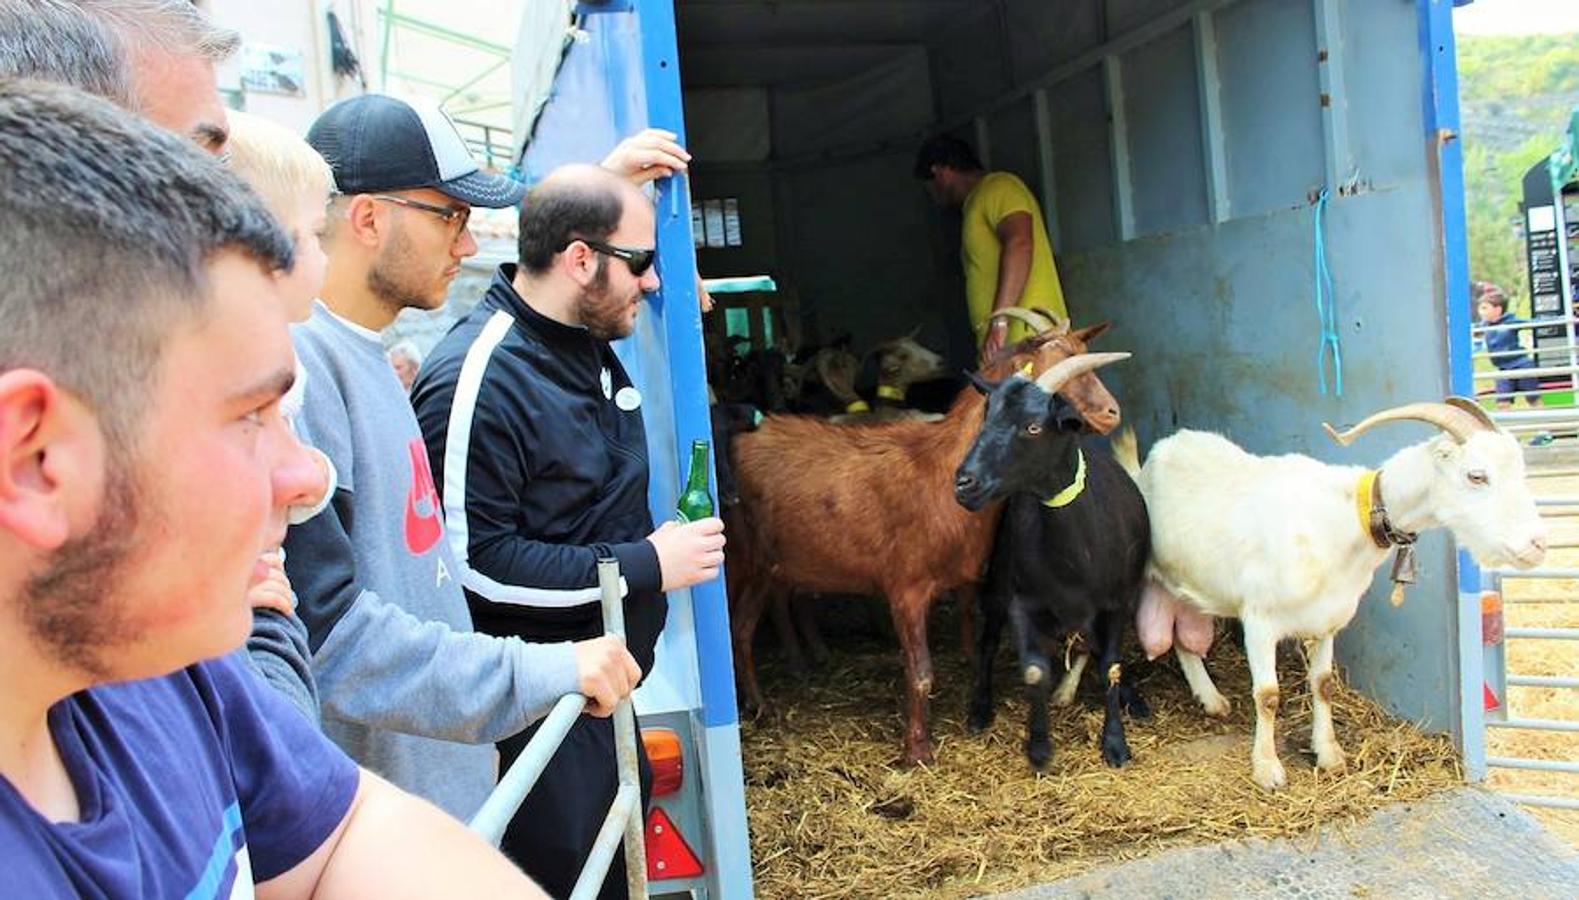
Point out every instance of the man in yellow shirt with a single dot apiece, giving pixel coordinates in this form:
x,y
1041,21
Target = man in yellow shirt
x,y
1003,244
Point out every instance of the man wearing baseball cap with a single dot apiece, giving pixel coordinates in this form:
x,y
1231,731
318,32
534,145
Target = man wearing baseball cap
x,y
407,687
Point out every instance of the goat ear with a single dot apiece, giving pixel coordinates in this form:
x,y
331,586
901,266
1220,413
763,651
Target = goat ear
x,y
1091,332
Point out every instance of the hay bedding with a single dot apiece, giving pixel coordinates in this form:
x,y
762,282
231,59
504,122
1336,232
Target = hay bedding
x,y
831,814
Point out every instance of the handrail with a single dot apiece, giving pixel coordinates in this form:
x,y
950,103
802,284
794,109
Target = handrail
x,y
624,818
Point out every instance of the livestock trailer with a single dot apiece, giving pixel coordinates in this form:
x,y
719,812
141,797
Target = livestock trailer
x,y
1264,196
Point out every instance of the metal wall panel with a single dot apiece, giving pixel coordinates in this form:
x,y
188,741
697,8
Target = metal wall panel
x,y
969,68
1127,15
1221,322
1013,136
1043,34
1162,111
860,255
1081,159
1270,104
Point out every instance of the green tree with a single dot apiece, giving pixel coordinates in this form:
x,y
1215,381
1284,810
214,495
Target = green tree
x,y
1516,94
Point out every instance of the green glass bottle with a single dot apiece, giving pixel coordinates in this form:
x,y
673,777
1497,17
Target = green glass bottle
x,y
695,503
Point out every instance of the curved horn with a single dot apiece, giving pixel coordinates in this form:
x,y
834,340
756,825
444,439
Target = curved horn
x,y
1056,322
1035,318
836,376
1066,370
1449,417
1474,409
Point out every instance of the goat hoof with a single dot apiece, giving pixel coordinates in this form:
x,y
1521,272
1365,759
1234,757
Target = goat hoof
x,y
1331,760
1216,707
1115,752
916,756
979,718
1040,753
1063,698
1269,775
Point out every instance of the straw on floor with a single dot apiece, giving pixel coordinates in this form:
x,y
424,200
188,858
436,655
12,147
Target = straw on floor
x,y
832,815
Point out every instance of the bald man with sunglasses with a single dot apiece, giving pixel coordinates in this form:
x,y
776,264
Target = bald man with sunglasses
x,y
535,432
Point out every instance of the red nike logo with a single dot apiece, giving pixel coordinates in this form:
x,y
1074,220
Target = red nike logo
x,y
424,525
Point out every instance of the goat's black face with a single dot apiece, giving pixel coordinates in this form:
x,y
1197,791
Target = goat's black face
x,y
1026,443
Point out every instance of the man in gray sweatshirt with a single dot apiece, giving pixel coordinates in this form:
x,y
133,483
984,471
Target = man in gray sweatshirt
x,y
407,687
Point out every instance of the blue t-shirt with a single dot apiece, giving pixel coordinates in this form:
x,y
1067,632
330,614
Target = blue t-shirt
x,y
194,785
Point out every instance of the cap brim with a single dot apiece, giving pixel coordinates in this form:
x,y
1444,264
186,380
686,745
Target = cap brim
x,y
480,188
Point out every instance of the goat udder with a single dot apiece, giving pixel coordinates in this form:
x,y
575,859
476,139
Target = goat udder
x,y
1154,619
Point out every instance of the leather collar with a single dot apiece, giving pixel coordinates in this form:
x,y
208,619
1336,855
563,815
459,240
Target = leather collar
x,y
1373,514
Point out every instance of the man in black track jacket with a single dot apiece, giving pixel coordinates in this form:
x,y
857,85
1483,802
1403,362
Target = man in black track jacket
x,y
534,432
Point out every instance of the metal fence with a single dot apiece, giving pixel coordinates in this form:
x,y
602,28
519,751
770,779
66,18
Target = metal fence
x,y
1549,410
624,819
1557,419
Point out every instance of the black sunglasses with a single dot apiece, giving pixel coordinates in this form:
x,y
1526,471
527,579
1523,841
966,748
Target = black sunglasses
x,y
638,261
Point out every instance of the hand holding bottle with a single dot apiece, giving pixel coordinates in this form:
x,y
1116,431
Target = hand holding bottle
x,y
689,553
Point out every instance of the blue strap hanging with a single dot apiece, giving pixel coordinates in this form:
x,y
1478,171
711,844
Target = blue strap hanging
x,y
1326,306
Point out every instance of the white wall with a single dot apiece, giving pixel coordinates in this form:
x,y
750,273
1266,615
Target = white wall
x,y
299,25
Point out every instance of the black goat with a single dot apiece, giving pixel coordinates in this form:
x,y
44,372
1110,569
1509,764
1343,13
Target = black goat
x,y
1068,563
728,420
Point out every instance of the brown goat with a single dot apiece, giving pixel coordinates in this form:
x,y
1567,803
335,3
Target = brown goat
x,y
871,510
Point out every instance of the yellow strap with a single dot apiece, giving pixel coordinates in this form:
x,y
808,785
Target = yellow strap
x,y
858,406
889,392
1362,499
1068,494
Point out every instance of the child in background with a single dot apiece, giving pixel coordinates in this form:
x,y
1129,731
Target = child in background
x,y
1493,308
295,183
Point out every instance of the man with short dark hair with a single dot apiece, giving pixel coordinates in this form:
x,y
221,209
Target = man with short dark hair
x,y
154,57
1007,257
144,466
535,431
406,686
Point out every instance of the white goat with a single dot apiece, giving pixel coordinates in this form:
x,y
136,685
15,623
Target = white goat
x,y
901,362
1288,545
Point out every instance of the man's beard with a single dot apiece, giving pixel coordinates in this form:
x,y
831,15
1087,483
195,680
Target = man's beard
x,y
72,608
395,276
605,316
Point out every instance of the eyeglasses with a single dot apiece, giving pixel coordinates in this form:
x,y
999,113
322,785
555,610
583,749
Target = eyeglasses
x,y
454,216
638,261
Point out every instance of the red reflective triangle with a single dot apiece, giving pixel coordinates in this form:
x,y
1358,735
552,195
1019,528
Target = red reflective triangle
x,y
668,855
1489,698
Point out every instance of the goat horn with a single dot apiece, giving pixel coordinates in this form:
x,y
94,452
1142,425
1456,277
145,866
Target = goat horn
x,y
1055,321
1474,409
1066,370
1450,417
840,382
1035,318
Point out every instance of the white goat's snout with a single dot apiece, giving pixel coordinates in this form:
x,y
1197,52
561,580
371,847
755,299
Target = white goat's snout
x,y
1532,552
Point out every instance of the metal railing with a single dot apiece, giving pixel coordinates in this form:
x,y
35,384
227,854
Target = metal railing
x,y
624,818
1503,717
495,144
1554,366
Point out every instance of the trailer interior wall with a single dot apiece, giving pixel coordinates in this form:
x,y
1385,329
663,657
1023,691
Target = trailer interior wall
x,y
1208,270
1185,144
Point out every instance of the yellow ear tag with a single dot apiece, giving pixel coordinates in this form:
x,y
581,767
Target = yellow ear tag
x,y
1026,371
